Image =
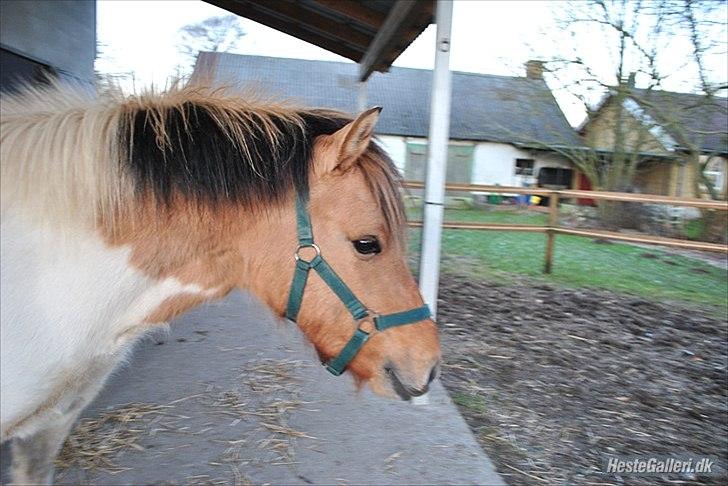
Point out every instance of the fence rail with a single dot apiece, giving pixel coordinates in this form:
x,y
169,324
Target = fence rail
x,y
573,193
553,229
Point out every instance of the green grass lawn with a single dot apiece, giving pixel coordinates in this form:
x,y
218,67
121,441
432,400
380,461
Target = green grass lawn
x,y
651,273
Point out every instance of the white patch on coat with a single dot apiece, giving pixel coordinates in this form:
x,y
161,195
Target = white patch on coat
x,y
70,304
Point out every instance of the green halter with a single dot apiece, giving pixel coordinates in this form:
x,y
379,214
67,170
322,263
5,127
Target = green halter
x,y
358,311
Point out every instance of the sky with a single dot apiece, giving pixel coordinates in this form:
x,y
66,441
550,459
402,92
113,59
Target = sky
x,y
492,37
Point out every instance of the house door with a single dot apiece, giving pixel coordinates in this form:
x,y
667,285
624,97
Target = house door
x,y
584,184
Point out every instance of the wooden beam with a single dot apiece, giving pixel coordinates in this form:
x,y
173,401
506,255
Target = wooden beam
x,y
421,19
646,198
607,235
485,226
248,10
570,193
319,24
538,191
387,34
649,240
355,10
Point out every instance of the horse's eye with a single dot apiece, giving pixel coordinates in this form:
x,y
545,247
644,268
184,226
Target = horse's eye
x,y
367,245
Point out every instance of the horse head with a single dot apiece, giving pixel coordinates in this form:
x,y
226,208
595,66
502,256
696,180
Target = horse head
x,y
358,224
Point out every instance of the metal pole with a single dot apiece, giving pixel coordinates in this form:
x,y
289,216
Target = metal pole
x,y
361,96
436,157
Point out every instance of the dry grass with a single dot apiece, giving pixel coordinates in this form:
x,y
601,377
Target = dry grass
x,y
276,383
269,393
275,391
95,443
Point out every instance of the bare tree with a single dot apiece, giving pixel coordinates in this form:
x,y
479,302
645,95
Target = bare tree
x,y
635,44
214,34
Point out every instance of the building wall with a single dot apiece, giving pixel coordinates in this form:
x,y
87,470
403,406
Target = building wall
x,y
396,147
493,163
657,178
599,133
678,179
717,169
57,33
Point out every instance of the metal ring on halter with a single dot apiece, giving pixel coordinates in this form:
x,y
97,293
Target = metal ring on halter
x,y
301,247
372,317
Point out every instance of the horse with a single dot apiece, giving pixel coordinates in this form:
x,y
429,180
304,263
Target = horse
x,y
119,213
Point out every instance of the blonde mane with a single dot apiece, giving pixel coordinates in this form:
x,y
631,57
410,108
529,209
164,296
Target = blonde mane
x,y
72,156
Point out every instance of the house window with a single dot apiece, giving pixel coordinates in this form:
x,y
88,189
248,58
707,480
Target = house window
x,y
715,178
524,167
555,177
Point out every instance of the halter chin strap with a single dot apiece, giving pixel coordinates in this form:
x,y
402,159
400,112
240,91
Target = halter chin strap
x,y
357,310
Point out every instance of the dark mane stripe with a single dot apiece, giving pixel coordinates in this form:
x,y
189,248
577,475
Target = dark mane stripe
x,y
196,154
215,153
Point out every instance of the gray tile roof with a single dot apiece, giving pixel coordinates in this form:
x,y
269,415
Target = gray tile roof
x,y
702,121
484,107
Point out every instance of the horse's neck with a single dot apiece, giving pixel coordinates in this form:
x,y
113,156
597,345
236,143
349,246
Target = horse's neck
x,y
72,299
70,281
141,274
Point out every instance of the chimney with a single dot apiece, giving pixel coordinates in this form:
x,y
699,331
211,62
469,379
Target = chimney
x,y
534,69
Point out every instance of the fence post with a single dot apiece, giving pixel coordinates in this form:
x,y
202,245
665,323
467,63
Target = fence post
x,y
550,235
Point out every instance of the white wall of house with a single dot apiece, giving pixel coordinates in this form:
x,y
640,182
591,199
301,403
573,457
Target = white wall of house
x,y
396,147
544,159
494,163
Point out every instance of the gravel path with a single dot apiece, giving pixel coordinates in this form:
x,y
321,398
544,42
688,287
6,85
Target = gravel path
x,y
233,396
552,381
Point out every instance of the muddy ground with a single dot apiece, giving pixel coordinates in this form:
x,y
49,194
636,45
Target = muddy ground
x,y
554,381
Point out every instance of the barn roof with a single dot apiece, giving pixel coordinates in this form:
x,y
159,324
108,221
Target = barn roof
x,y
703,121
484,107
372,33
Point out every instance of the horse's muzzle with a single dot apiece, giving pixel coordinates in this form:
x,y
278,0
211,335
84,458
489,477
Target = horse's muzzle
x,y
406,392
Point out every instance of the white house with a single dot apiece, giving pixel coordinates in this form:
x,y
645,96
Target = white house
x,y
499,124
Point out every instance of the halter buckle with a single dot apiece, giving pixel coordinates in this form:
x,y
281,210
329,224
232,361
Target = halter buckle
x,y
298,257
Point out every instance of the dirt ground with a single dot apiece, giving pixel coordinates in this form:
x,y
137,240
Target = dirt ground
x,y
554,381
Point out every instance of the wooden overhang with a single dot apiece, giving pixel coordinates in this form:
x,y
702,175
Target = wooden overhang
x,y
372,33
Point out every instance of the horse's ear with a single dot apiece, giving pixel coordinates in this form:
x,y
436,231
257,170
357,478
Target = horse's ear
x,y
351,141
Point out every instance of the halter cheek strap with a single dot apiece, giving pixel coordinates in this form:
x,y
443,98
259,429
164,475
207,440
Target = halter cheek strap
x,y
357,310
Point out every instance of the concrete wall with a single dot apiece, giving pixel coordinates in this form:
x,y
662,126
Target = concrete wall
x,y
58,33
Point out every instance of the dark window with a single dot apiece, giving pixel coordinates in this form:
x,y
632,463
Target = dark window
x,y
555,177
524,167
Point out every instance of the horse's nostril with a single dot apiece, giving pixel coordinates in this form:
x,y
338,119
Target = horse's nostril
x,y
405,391
433,373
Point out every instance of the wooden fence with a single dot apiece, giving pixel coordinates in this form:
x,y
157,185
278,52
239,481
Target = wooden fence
x,y
553,228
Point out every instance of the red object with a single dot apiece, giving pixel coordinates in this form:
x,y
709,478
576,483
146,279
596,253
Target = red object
x,y
584,184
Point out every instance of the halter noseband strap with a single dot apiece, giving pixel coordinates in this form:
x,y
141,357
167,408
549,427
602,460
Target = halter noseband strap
x,y
358,310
